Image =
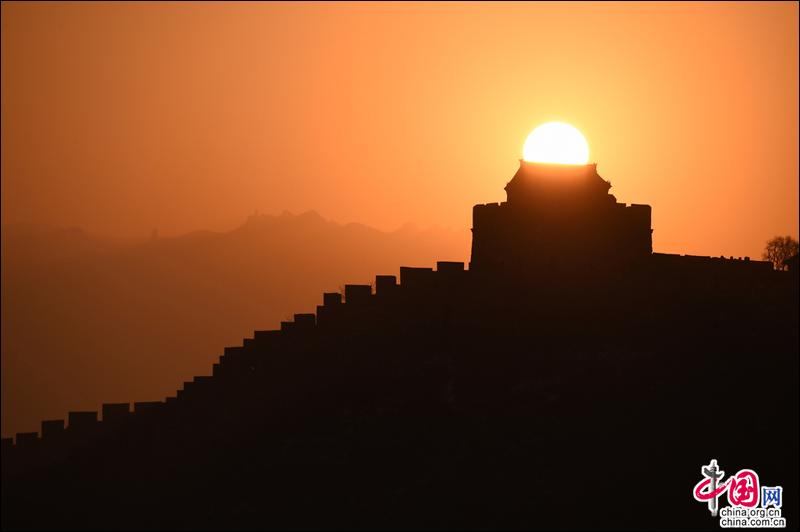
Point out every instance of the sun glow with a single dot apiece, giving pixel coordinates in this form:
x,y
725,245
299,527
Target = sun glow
x,y
556,142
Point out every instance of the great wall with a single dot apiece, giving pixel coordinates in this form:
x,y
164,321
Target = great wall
x,y
458,397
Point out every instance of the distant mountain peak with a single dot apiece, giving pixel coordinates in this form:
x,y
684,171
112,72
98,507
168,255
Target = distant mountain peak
x,y
285,215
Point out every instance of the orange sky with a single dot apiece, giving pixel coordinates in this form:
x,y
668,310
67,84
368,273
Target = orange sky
x,y
121,118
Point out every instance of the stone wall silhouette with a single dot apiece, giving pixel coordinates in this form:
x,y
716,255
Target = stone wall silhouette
x,y
519,393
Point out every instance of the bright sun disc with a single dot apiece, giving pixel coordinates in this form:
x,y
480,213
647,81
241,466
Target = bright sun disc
x,y
556,142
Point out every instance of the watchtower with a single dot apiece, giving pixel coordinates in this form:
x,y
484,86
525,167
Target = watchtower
x,y
558,217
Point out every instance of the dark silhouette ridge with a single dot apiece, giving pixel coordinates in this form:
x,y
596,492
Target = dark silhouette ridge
x,y
570,378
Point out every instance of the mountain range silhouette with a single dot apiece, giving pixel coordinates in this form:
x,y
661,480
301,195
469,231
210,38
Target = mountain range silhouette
x,y
568,378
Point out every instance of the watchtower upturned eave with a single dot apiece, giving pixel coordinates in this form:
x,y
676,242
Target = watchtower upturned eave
x,y
558,216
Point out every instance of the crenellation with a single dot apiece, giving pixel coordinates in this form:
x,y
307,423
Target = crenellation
x,y
416,278
265,338
147,407
449,266
81,422
52,429
233,352
115,412
331,299
700,264
305,322
201,386
357,294
385,285
27,440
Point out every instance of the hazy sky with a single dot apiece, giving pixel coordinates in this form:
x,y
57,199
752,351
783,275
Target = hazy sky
x,y
121,118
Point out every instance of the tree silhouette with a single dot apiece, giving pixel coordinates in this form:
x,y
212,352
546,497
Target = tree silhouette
x,y
779,249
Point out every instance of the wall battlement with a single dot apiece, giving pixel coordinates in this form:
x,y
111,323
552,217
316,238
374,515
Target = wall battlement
x,y
335,313
539,263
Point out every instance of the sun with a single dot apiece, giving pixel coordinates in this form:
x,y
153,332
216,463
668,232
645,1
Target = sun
x,y
556,142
